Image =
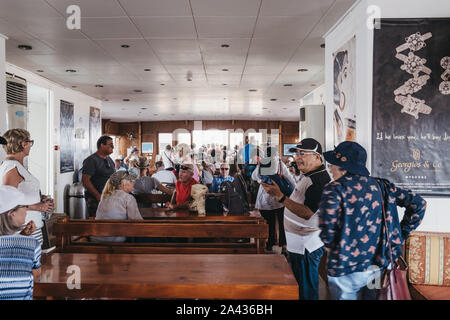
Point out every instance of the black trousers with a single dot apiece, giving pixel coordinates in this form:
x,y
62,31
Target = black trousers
x,y
270,216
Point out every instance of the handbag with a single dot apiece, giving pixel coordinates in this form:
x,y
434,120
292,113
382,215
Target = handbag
x,y
394,283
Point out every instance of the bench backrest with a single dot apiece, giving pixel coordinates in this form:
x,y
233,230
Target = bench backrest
x,y
240,228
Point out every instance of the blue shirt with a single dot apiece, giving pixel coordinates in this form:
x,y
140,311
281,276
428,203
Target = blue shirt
x,y
351,222
19,255
215,185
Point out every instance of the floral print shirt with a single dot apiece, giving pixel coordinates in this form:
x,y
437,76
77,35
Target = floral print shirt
x,y
351,222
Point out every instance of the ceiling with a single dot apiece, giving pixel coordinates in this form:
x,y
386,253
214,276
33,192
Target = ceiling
x,y
268,42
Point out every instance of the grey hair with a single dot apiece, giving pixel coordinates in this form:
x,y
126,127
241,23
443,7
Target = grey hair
x,y
7,224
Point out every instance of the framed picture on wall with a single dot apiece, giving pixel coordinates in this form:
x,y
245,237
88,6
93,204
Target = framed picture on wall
x,y
147,147
286,147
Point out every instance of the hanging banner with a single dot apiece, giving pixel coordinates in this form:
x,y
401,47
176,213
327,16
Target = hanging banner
x,y
95,128
67,145
411,104
344,97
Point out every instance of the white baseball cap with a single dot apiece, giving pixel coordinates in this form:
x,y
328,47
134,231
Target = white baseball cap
x,y
10,198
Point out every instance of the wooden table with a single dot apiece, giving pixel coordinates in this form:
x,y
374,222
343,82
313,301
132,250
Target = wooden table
x,y
168,213
169,276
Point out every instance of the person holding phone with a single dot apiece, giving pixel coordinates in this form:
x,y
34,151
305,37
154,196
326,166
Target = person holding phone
x,y
268,206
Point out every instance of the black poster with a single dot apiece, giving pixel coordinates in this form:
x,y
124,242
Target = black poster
x,y
67,145
411,104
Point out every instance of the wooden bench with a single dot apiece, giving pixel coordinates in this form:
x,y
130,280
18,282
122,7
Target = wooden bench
x,y
222,235
427,254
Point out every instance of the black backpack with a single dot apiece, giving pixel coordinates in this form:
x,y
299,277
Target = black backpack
x,y
235,195
213,204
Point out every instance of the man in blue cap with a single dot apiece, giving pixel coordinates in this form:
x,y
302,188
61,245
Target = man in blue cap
x,y
301,224
353,223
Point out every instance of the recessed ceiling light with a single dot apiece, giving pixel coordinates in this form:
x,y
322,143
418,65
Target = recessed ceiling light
x,y
71,70
265,108
252,90
284,108
155,114
106,100
137,90
322,45
273,99
24,47
39,70
224,84
302,70
74,86
313,85
162,84
147,69
126,100
224,69
125,46
225,45
99,86
287,85
143,108
174,98
292,99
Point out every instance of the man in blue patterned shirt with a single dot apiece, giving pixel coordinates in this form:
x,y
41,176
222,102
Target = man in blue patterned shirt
x,y
19,255
351,220
223,176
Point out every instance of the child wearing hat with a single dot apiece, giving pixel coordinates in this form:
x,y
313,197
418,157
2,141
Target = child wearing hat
x,y
22,254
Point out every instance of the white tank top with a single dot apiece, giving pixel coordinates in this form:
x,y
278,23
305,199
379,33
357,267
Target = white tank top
x,y
30,187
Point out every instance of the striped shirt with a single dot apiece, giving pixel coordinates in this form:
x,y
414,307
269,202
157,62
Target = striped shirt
x,y
303,234
19,255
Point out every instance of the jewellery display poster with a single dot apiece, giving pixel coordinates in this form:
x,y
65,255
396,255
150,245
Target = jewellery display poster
x,y
66,160
344,92
411,104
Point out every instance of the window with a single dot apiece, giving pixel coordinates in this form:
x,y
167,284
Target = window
x,y
164,139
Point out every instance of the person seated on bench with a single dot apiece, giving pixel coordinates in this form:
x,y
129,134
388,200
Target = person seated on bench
x,y
146,184
182,194
223,176
20,254
117,202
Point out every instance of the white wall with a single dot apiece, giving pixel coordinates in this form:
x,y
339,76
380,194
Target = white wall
x,y
437,217
82,104
2,92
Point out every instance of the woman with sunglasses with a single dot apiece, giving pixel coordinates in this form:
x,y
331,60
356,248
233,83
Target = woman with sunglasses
x,y
14,174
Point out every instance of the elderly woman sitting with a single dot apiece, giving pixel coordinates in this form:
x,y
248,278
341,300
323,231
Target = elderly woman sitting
x,y
117,202
19,255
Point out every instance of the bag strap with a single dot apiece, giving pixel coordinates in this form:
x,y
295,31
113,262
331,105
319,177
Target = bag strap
x,y
385,223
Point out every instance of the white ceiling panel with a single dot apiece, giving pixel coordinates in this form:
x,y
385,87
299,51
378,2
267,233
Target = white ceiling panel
x,y
109,28
90,8
225,27
218,69
183,58
166,27
156,7
285,27
50,60
295,7
225,8
138,52
184,69
27,9
10,30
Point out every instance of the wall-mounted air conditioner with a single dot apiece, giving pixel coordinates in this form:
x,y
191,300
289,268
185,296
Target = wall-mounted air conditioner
x,y
312,123
16,99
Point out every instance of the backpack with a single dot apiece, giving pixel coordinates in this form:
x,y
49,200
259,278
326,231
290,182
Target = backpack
x,y
213,204
235,195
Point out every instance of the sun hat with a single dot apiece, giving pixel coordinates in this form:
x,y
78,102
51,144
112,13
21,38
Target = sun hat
x,y
142,163
350,156
10,198
308,144
117,177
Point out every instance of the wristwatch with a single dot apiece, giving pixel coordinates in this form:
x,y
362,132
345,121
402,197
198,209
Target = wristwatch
x,y
282,199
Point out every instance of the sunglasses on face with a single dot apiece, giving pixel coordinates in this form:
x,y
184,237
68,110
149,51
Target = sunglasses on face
x,y
185,168
224,169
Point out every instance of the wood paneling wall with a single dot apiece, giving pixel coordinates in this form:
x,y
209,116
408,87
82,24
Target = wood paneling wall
x,y
150,130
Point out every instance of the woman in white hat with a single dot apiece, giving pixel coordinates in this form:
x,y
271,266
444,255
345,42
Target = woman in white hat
x,y
14,174
21,254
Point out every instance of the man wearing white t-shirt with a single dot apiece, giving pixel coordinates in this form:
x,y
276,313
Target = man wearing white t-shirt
x,y
163,175
301,224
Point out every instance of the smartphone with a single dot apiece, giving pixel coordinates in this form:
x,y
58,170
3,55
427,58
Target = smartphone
x,y
266,179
